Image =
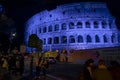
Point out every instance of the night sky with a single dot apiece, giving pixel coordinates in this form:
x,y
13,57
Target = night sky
x,y
21,10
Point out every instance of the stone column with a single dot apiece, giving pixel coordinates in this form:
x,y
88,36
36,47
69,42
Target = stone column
x,y
100,24
91,25
83,24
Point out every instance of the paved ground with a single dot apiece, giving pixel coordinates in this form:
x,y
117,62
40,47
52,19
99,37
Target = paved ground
x,y
60,71
66,71
7,76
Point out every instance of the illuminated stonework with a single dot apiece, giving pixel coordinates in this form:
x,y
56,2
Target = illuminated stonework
x,y
83,25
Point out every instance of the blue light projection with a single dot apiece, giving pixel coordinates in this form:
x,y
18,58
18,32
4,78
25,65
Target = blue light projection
x,y
83,25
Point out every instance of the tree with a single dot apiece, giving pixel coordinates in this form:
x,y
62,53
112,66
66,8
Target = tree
x,y
34,42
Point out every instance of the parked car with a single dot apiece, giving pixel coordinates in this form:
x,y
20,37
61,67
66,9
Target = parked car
x,y
51,60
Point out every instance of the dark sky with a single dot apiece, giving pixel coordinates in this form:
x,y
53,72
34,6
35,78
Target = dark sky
x,y
21,10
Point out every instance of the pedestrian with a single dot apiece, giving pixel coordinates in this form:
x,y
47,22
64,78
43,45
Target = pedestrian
x,y
37,62
87,73
102,72
21,64
13,64
43,66
63,56
10,64
115,70
5,63
58,57
17,65
1,61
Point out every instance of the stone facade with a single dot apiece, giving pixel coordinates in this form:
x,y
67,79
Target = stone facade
x,y
83,25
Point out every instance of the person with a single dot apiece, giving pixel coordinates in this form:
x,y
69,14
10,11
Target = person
x,y
37,61
1,61
5,63
10,62
41,66
101,72
21,64
64,57
17,67
115,70
87,73
58,57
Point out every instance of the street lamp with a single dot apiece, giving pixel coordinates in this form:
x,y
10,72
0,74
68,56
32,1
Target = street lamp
x,y
12,37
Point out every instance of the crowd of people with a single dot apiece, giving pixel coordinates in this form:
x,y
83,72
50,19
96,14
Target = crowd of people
x,y
101,71
14,64
11,64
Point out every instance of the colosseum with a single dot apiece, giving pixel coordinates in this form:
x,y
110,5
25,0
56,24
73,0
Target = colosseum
x,y
74,26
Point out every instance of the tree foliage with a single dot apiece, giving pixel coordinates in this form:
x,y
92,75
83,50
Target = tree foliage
x,y
33,41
